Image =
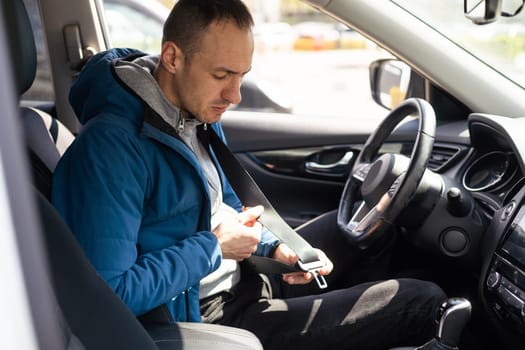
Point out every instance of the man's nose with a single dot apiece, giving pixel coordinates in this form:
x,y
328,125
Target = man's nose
x,y
232,93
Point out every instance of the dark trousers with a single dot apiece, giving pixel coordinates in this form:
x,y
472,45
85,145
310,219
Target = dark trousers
x,y
354,313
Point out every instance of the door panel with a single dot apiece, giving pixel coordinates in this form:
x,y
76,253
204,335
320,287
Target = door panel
x,y
325,163
297,198
301,164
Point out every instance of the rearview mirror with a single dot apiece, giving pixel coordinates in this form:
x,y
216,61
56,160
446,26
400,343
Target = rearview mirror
x,y
482,11
389,80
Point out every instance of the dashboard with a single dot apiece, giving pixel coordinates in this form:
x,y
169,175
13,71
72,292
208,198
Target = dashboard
x,y
493,174
492,178
503,284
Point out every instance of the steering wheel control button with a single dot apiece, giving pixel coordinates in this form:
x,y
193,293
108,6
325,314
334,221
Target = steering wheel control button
x,y
393,189
493,280
362,171
454,241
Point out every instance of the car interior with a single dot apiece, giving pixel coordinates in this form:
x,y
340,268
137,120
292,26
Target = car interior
x,y
459,204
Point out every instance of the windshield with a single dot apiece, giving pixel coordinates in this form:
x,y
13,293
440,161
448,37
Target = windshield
x,y
500,44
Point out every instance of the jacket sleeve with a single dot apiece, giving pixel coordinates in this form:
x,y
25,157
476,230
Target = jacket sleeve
x,y
268,241
99,188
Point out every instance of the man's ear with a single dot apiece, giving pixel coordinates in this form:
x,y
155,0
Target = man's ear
x,y
171,57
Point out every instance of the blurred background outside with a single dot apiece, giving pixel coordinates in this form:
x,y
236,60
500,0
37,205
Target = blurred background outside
x,y
304,61
309,64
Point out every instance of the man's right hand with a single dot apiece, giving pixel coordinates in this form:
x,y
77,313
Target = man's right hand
x,y
238,235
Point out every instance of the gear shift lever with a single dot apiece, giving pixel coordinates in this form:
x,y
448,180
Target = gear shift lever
x,y
451,318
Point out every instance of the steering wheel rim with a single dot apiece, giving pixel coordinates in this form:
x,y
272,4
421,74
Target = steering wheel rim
x,y
377,212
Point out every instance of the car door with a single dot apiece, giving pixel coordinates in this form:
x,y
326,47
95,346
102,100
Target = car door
x,y
300,163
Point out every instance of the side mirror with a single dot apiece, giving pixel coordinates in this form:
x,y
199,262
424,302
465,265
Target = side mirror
x,y
389,80
482,11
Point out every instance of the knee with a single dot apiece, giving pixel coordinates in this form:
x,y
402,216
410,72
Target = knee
x,y
433,290
428,291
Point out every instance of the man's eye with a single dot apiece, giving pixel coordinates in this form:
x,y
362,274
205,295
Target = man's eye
x,y
220,77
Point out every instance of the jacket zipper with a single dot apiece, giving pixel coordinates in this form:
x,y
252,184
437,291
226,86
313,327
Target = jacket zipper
x,y
180,125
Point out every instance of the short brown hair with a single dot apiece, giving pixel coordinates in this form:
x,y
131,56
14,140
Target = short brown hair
x,y
189,20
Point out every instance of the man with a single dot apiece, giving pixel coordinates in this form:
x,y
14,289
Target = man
x,y
156,216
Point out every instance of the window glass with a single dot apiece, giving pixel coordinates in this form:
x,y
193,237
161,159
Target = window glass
x,y
501,44
304,63
42,88
132,24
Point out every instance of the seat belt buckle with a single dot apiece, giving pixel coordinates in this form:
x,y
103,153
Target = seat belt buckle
x,y
314,267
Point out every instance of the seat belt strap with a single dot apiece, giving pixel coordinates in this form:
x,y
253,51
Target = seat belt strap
x,y
251,195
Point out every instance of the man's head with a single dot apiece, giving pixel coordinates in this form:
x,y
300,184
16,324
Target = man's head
x,y
207,48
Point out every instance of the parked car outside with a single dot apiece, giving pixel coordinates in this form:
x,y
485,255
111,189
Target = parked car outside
x,y
135,24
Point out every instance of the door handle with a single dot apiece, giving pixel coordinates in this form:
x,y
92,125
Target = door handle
x,y
338,168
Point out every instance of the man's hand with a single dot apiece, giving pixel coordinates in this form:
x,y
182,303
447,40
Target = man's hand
x,y
238,235
285,255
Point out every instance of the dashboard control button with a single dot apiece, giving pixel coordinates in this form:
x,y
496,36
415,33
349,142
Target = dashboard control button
x,y
507,212
493,280
454,241
511,299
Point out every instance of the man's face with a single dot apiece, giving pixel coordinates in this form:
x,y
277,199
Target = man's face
x,y
210,82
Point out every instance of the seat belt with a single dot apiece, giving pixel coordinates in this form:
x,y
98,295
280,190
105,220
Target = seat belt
x,y
251,195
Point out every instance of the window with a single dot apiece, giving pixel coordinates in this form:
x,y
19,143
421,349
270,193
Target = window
x,y
135,24
304,62
500,45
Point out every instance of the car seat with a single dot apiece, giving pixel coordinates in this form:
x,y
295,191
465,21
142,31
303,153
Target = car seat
x,y
94,316
46,137
97,316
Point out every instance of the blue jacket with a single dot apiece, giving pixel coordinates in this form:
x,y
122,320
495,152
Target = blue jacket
x,y
137,199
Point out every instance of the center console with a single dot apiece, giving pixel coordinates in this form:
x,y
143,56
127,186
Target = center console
x,y
504,284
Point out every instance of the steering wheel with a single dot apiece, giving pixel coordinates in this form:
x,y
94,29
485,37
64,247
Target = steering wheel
x,y
387,183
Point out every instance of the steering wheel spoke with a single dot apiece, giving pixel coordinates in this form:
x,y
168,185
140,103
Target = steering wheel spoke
x,y
364,220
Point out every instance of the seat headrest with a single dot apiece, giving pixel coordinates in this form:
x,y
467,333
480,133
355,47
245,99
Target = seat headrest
x,y
21,44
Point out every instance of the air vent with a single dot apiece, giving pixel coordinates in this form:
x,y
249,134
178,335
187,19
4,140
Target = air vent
x,y
442,157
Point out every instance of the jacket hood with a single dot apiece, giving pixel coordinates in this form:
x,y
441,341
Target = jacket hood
x,y
98,90
137,75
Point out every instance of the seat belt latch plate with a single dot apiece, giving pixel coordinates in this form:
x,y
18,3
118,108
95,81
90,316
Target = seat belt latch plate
x,y
314,267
